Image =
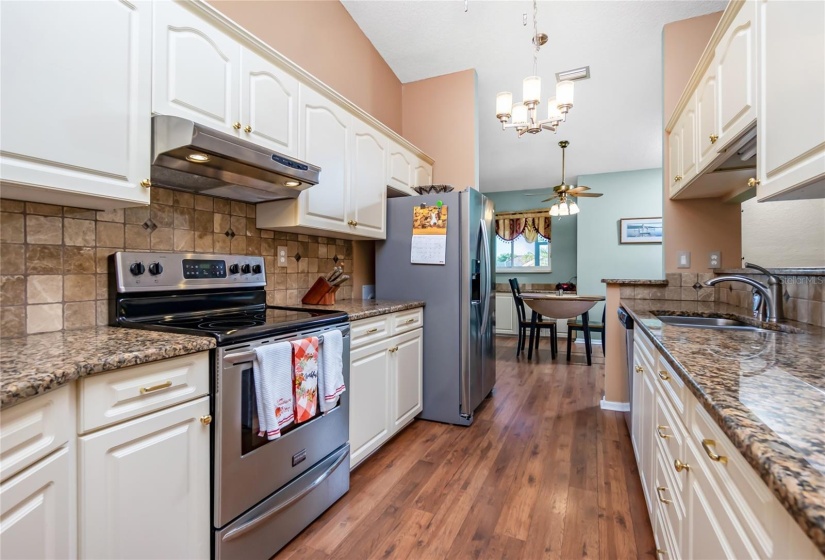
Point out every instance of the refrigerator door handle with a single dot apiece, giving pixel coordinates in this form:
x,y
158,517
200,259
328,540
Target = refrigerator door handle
x,y
485,240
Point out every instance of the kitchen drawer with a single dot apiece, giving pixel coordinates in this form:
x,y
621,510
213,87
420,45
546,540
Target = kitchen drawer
x,y
747,494
670,504
131,392
33,429
404,321
672,386
644,355
670,432
641,339
369,330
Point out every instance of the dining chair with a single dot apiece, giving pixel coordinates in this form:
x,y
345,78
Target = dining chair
x,y
578,324
535,324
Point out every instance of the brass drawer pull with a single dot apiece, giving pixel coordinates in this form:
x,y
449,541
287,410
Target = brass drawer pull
x,y
153,388
206,420
714,138
373,330
394,349
677,178
408,321
706,445
661,552
664,376
661,431
146,183
753,182
639,369
680,466
659,491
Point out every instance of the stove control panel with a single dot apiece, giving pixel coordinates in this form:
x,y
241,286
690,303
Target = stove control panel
x,y
144,272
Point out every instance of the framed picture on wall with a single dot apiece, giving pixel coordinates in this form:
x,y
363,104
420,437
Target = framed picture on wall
x,y
640,230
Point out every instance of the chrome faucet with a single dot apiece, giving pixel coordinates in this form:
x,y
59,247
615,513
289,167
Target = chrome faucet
x,y
771,294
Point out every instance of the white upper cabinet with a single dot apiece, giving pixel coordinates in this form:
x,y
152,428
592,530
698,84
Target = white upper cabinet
x,y
325,130
422,173
196,69
736,72
682,153
674,159
400,168
791,110
707,120
368,192
269,104
76,102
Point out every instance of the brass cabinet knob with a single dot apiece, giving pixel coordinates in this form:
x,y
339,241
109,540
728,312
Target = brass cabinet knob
x,y
677,178
206,420
236,125
680,466
146,183
394,349
706,445
753,182
247,129
714,138
664,376
661,552
639,369
660,490
660,430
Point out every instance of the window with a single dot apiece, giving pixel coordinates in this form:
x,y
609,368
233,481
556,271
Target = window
x,y
522,256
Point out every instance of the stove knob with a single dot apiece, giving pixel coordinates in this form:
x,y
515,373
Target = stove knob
x,y
137,268
233,269
155,268
246,269
257,269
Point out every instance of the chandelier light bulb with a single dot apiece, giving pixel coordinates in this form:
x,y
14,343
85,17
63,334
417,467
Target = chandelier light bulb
x,y
554,210
564,94
532,89
504,101
574,208
553,112
563,209
519,113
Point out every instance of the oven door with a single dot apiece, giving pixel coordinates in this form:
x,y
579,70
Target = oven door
x,y
249,468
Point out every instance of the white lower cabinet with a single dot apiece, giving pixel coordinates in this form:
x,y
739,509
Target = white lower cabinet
x,y
144,486
506,319
386,379
37,513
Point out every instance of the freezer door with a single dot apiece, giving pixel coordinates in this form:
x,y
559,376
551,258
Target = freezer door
x,y
476,307
488,338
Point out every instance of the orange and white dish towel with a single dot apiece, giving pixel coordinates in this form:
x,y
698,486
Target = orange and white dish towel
x,y
305,377
272,373
331,370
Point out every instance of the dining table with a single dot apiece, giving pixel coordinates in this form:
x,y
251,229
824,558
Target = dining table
x,y
561,306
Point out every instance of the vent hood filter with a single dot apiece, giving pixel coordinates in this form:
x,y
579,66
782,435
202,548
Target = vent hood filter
x,y
191,157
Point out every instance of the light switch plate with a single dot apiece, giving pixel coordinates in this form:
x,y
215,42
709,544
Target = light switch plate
x,y
282,256
683,259
368,291
715,259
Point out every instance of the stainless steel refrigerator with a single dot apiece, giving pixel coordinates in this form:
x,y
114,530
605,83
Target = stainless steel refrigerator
x,y
459,316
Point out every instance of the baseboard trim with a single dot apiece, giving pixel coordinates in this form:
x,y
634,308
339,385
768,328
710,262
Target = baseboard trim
x,y
615,406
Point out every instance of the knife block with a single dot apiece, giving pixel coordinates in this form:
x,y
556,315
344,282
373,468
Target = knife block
x,y
321,293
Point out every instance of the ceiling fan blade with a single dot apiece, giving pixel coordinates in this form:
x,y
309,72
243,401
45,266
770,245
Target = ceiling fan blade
x,y
588,195
579,189
551,198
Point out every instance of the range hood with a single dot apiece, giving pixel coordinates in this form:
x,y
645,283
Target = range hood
x,y
191,157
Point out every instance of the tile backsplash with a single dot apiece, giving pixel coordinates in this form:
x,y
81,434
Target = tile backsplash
x,y
53,259
803,296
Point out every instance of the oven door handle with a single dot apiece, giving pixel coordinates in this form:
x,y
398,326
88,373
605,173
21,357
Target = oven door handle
x,y
249,525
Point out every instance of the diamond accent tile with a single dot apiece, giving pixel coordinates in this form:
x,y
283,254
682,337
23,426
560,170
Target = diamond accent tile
x,y
150,225
697,286
229,233
335,259
298,257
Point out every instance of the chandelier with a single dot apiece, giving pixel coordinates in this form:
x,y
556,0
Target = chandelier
x,y
525,114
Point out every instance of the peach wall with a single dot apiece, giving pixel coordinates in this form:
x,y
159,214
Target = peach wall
x,y
439,116
702,225
322,38
615,368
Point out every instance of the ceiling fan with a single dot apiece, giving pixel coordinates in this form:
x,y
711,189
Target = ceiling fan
x,y
563,191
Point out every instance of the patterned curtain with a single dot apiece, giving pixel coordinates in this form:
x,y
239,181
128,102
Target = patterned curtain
x,y
530,223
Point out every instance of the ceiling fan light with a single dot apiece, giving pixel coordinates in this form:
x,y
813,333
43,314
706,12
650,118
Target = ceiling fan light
x,y
564,94
574,208
532,89
519,113
554,210
504,101
564,210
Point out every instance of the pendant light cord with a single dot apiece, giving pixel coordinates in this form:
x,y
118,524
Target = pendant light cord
x,y
535,38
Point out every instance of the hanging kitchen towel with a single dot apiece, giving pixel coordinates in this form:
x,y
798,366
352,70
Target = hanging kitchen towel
x,y
305,377
331,370
272,372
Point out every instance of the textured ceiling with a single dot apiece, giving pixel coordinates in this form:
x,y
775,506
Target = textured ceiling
x,y
616,122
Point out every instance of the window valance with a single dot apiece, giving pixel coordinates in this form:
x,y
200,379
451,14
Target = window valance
x,y
529,223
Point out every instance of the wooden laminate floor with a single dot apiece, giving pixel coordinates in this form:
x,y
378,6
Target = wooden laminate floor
x,y
543,472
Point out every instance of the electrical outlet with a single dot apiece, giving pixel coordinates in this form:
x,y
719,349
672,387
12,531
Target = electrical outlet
x,y
282,256
715,260
683,259
368,291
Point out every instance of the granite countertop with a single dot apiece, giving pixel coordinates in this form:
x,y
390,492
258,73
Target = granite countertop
x,y
634,282
765,390
35,364
364,308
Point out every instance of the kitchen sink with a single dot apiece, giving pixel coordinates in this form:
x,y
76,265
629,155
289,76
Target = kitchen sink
x,y
708,323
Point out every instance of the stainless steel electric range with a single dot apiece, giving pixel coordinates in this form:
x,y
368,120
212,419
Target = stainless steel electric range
x,y
264,492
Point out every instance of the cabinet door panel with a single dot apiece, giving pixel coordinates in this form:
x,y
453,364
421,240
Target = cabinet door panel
x,y
195,71
400,168
127,470
422,174
36,513
368,191
369,420
505,314
688,142
76,100
269,104
407,382
324,142
737,79
674,157
706,115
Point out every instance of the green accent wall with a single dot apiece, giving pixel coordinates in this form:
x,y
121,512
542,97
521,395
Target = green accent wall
x,y
562,237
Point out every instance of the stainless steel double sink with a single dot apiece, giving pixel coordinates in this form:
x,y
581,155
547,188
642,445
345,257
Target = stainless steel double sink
x,y
709,323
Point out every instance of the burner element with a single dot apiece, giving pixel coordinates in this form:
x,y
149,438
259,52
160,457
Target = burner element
x,y
227,325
